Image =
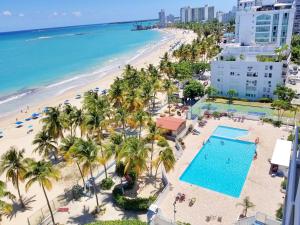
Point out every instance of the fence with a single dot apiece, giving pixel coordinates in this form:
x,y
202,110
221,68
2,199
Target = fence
x,y
41,215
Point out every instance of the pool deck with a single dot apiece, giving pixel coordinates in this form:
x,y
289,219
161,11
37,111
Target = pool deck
x,y
263,190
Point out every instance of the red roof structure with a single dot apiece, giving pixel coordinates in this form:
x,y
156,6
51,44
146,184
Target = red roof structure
x,y
170,123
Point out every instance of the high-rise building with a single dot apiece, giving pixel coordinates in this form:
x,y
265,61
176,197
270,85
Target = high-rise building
x,y
205,13
266,24
219,16
162,18
209,13
251,66
186,14
297,17
170,18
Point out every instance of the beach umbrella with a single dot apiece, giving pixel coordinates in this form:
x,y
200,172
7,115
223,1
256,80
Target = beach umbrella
x,y
19,123
35,115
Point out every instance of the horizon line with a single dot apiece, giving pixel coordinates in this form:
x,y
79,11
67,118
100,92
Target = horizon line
x,y
79,25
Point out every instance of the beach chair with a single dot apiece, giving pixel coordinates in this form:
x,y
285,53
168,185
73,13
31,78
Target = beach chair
x,y
192,202
63,209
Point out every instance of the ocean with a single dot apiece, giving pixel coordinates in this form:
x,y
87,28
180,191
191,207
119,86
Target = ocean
x,y
41,61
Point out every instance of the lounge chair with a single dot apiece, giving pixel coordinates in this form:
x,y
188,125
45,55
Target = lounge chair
x,y
195,132
192,202
63,209
207,218
220,219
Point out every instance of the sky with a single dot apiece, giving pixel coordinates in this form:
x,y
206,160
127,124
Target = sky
x,y
31,14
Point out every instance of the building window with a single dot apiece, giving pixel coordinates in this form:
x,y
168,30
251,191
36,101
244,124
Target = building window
x,y
266,67
231,73
271,67
270,75
266,74
218,80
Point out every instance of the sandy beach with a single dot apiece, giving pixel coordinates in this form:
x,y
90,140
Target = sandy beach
x,y
18,136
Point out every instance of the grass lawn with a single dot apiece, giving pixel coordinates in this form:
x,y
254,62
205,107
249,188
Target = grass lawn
x,y
119,222
287,114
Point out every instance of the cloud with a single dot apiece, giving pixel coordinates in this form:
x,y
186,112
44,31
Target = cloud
x,y
55,14
21,14
63,13
76,13
7,13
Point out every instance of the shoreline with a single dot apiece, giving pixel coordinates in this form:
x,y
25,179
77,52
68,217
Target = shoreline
x,y
102,77
21,139
14,102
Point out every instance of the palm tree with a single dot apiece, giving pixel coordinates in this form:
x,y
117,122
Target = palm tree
x,y
46,145
67,118
116,93
66,145
5,207
211,92
42,172
79,121
167,158
141,118
231,93
88,155
154,133
15,166
122,117
246,204
52,122
169,88
134,154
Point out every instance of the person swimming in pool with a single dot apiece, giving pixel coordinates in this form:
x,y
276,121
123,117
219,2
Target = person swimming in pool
x,y
228,161
222,143
205,156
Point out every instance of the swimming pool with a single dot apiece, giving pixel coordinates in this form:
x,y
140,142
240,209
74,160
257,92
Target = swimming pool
x,y
222,164
229,132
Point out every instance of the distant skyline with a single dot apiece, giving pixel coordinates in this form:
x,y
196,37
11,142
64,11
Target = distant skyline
x,y
31,14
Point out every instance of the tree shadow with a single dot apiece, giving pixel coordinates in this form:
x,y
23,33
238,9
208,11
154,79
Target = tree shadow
x,y
18,208
84,218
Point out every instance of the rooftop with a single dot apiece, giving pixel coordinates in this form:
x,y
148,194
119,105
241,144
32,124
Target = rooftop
x,y
169,123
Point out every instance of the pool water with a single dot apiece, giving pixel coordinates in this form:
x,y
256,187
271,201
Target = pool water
x,y
230,132
222,164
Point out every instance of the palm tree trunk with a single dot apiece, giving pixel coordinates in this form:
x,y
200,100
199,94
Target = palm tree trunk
x,y
124,132
151,158
140,132
48,203
101,150
95,191
157,169
81,174
19,193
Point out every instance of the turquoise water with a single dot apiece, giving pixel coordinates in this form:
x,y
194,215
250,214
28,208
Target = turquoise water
x,y
230,132
31,59
221,165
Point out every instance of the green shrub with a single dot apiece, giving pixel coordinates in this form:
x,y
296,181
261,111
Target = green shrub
x,y
133,204
284,184
119,222
277,123
120,167
279,212
162,142
265,100
77,192
106,184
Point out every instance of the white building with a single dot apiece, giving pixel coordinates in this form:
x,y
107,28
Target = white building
x,y
162,18
251,66
200,14
186,14
238,68
266,24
